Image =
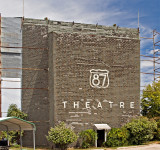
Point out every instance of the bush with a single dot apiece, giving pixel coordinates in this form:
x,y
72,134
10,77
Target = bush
x,y
85,145
141,130
117,137
88,138
158,123
157,134
61,135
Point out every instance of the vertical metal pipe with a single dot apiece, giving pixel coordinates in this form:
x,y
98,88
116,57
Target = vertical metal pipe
x,y
96,140
105,135
0,70
34,140
138,18
23,8
7,137
138,26
154,54
21,137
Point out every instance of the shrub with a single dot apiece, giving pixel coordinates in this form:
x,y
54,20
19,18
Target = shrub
x,y
117,137
141,130
157,134
85,145
158,123
88,138
61,135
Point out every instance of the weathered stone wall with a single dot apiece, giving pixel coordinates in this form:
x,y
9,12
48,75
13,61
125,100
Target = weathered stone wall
x,y
35,101
75,49
74,55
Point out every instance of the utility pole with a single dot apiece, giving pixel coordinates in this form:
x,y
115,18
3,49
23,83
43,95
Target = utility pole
x,y
23,8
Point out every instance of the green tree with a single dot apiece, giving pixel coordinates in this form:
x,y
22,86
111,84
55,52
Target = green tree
x,y
61,135
150,101
14,111
141,130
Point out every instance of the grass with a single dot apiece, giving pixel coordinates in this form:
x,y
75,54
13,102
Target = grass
x,y
105,148
26,148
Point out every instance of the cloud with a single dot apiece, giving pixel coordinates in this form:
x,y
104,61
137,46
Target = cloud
x,y
105,12
146,64
146,79
69,10
83,11
146,32
152,51
11,8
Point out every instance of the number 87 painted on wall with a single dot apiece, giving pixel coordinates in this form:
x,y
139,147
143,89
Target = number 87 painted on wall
x,y
99,78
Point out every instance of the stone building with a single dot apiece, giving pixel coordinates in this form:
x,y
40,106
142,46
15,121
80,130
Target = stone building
x,y
83,74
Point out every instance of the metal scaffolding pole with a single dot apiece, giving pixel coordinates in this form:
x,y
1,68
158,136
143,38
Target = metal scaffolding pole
x,y
0,72
154,58
34,139
154,54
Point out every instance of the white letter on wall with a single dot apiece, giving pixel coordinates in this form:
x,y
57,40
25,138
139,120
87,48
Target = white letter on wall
x,y
65,102
87,104
76,104
99,105
121,104
132,105
110,104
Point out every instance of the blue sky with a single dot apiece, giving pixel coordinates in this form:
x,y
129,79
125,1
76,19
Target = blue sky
x,y
124,13
106,12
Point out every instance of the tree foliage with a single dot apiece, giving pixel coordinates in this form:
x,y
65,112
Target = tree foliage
x,y
141,130
88,138
61,135
117,137
14,111
150,101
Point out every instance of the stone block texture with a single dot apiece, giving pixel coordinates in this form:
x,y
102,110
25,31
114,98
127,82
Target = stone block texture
x,y
71,51
35,100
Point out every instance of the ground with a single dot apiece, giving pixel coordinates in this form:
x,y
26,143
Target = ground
x,y
144,147
153,146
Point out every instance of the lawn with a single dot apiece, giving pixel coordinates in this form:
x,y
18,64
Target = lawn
x,y
94,148
26,148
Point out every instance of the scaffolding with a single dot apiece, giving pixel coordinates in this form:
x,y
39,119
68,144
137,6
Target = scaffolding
x,y
0,72
11,49
154,56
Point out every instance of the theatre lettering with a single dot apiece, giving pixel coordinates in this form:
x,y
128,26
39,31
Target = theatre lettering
x,y
100,105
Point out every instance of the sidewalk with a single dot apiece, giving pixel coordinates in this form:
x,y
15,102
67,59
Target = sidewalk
x,y
141,147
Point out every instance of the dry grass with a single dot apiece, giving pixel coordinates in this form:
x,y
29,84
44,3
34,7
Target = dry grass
x,y
26,148
94,148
